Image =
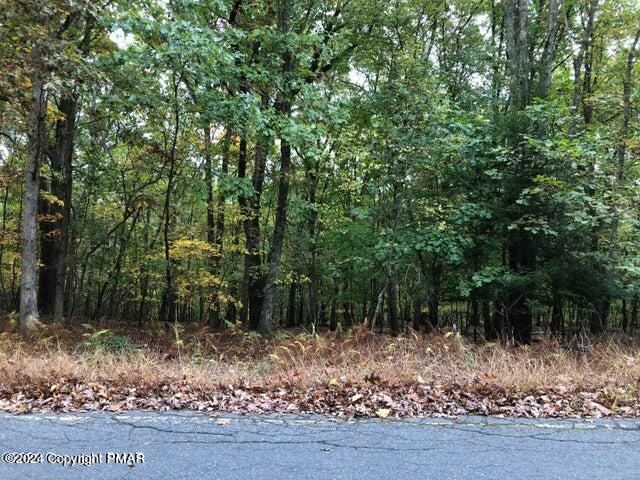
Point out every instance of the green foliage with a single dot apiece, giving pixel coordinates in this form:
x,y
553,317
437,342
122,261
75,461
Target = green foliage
x,y
106,341
417,159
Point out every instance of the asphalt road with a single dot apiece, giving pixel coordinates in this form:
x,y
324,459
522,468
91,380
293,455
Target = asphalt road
x,y
197,446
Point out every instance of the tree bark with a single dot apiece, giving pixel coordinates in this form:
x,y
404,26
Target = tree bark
x,y
208,178
283,107
378,311
394,319
253,279
216,208
65,131
168,308
266,316
29,261
49,215
64,149
313,224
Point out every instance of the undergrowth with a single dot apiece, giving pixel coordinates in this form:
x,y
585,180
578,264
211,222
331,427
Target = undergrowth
x,y
206,358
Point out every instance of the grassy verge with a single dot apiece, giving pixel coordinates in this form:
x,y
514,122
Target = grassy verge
x,y
354,373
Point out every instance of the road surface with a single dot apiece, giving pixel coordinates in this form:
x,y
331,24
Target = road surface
x,y
156,446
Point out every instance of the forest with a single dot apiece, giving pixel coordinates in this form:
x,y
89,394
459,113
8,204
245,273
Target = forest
x,y
395,165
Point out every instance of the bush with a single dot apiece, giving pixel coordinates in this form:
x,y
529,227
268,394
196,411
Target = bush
x,y
105,340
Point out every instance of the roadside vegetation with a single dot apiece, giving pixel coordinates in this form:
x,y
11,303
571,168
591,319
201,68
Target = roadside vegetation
x,y
363,207
352,373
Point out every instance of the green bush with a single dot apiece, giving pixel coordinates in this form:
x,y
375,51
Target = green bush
x,y
107,341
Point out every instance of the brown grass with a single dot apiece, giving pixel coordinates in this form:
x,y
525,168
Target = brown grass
x,y
206,359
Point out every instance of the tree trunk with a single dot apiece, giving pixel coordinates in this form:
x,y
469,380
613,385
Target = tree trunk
x,y
378,311
48,218
394,319
489,328
600,317
333,316
516,32
266,320
291,310
244,209
5,295
433,305
283,107
253,278
64,150
518,311
113,282
29,262
347,319
520,247
144,274
168,308
211,226
313,223
215,230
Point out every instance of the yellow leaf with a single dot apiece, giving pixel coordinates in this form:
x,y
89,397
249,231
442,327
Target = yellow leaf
x,y
383,412
334,382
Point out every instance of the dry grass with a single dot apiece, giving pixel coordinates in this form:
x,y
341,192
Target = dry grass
x,y
206,359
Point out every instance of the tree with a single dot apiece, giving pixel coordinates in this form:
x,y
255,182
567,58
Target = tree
x,y
28,288
458,165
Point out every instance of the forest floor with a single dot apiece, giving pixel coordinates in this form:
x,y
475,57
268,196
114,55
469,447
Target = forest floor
x,y
76,367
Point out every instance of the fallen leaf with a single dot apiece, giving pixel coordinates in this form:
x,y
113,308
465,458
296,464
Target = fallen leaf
x,y
602,409
383,412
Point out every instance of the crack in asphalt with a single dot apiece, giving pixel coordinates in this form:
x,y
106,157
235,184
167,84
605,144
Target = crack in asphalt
x,y
199,446
481,429
325,443
321,427
164,430
539,437
271,441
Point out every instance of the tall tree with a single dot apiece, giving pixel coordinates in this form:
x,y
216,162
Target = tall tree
x,y
28,287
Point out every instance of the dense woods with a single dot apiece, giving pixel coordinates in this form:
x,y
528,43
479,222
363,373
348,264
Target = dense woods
x,y
425,164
